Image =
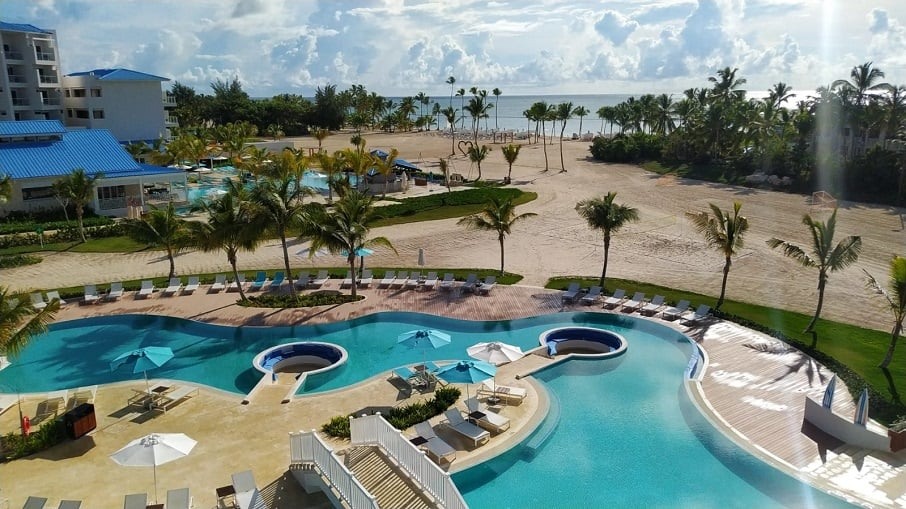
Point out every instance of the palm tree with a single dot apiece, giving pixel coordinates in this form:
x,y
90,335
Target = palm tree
x,y
331,165
497,93
581,112
723,232
779,93
19,321
320,134
510,153
541,112
344,228
6,189
563,113
825,256
445,170
497,216
386,166
232,226
78,187
450,115
450,81
279,198
477,155
461,93
896,299
609,217
161,226
137,150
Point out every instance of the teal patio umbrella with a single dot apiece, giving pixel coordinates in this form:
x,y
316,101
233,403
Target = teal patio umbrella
x,y
143,359
466,372
424,339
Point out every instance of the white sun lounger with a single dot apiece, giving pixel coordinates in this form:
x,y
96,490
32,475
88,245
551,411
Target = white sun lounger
x,y
635,303
470,282
430,280
174,287
448,281
486,286
168,399
347,281
592,296
674,312
703,311
115,292
652,307
412,282
400,280
321,279
465,428
570,294
136,501
55,295
302,280
436,447
191,286
615,299
366,279
239,283
37,301
91,295
389,276
76,397
507,392
490,421
179,499
147,288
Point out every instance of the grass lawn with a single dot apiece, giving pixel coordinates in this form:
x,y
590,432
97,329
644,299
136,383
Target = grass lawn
x,y
859,349
446,212
102,245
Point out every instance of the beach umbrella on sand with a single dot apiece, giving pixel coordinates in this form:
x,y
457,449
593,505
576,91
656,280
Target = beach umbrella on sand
x,y
466,372
495,352
143,359
829,393
153,450
861,416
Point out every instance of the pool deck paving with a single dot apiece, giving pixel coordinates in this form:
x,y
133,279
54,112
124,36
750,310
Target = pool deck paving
x,y
753,389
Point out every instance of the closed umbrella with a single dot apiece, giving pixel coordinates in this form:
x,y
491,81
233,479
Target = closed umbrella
x,y
153,450
466,372
828,400
421,257
495,352
143,359
861,416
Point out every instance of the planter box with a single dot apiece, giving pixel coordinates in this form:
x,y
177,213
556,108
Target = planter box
x,y
897,440
421,182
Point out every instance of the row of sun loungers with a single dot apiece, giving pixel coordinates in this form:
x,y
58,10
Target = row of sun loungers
x,y
638,303
475,428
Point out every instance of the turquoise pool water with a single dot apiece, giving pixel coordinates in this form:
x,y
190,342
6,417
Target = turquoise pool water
x,y
628,436
210,183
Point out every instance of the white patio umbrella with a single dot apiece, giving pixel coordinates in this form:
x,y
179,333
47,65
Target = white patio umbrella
x,y
153,450
495,352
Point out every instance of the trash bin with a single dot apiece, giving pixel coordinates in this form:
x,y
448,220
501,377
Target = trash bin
x,y
80,420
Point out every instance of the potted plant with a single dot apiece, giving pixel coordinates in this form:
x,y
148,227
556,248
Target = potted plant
x,y
897,434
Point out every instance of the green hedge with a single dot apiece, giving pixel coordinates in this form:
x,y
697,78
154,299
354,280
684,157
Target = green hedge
x,y
401,417
32,226
9,262
285,300
69,234
15,445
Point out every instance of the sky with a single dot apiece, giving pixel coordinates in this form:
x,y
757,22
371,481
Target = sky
x,y
524,47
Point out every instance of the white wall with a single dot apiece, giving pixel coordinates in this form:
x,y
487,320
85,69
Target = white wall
x,y
133,110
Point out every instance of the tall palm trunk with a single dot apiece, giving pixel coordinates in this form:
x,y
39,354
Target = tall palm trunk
x,y
500,239
606,254
289,275
453,139
723,284
351,260
888,357
544,145
562,165
172,261
810,328
232,259
80,211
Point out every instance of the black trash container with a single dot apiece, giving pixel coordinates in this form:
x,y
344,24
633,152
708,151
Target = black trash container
x,y
80,420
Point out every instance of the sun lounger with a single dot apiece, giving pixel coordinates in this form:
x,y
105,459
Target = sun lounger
x,y
174,287
302,280
409,378
638,299
448,282
55,295
347,281
592,296
469,284
506,392
179,499
703,311
465,428
389,277
91,294
261,279
35,503
247,495
570,294
652,307
414,280
615,299
191,286
70,504
400,280
279,279
136,501
366,279
147,289
238,283
674,312
485,418
50,407
486,286
115,291
76,397
440,450
171,398
37,301
320,280
430,280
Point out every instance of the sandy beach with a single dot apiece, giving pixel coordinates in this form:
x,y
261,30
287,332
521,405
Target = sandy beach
x,y
662,248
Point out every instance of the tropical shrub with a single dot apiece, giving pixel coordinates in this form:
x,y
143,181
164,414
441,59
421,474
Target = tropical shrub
x,y
281,300
337,427
15,445
402,417
8,262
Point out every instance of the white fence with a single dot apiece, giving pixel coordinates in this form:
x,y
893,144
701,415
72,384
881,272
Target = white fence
x,y
308,448
374,430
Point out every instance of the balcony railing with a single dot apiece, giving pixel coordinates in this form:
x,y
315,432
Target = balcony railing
x,y
171,120
169,100
51,101
13,55
17,78
17,101
48,80
45,55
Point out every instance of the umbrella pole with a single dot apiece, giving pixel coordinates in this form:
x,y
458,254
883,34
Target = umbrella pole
x,y
155,482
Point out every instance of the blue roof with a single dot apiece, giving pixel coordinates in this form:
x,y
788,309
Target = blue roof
x,y
95,150
119,74
30,127
22,27
402,163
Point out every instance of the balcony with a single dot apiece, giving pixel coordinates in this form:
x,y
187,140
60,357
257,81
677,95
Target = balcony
x,y
50,101
44,79
13,55
17,78
171,121
45,56
169,101
20,101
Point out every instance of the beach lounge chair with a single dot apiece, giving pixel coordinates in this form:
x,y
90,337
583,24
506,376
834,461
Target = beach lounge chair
x,y
592,296
672,313
434,446
366,279
136,501
615,299
146,290
302,280
115,291
703,311
638,299
76,397
37,301
70,504
413,281
279,279
320,280
261,279
430,280
174,396
485,418
34,503
652,307
410,379
448,282
247,494
55,295
173,287
506,392
465,428
179,499
91,294
486,286
347,281
50,407
400,280
191,286
389,276
235,285
469,284
570,294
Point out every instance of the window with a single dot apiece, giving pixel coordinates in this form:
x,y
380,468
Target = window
x,y
69,113
78,92
95,92
97,114
81,113
37,193
111,192
68,93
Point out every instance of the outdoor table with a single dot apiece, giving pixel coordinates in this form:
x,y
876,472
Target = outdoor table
x,y
476,416
226,492
155,506
417,441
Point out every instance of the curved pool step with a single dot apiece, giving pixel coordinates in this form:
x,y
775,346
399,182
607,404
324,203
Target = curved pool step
x,y
547,428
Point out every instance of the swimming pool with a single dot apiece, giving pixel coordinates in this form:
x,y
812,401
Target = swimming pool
x,y
628,434
209,185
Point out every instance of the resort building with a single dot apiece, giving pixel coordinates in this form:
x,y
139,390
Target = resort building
x,y
30,80
130,104
38,152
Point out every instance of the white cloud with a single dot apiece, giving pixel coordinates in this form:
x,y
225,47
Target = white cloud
x,y
615,27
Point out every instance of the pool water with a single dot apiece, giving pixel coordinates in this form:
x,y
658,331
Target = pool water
x,y
628,436
210,186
